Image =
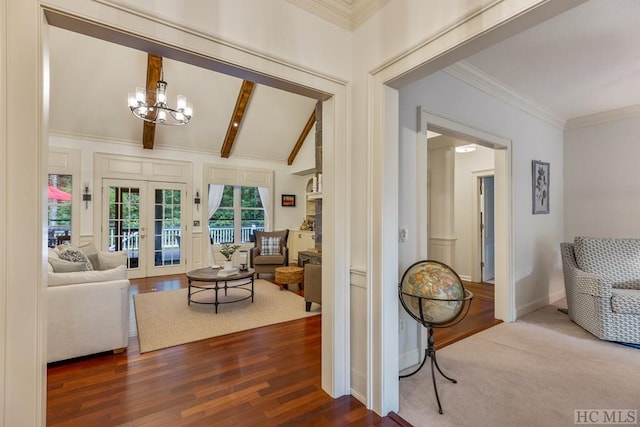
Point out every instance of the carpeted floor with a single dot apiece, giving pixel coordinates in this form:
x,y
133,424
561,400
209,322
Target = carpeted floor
x,y
164,319
533,372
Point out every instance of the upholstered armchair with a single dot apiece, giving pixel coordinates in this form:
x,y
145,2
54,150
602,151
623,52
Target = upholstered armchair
x,y
270,251
312,285
602,283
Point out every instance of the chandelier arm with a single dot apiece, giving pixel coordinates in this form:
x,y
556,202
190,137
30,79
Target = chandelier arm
x,y
171,112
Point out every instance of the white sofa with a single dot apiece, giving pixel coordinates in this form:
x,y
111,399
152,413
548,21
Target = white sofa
x,y
88,311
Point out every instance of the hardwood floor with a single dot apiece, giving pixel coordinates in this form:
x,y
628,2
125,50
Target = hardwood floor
x,y
267,376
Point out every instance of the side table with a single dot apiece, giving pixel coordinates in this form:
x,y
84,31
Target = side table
x,y
289,275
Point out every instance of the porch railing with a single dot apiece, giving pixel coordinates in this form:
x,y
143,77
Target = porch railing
x,y
171,237
225,234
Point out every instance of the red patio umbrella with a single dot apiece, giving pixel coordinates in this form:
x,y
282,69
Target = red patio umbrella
x,y
57,194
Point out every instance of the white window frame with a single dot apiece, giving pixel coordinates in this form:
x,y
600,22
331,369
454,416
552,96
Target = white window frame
x,y
66,161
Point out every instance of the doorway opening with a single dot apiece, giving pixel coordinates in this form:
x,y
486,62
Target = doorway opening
x,y
447,226
460,216
486,231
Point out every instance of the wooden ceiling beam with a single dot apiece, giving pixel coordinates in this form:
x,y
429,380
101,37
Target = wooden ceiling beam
x,y
236,119
302,137
154,67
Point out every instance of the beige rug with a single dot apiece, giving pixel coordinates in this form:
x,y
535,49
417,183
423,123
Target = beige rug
x,y
533,372
165,320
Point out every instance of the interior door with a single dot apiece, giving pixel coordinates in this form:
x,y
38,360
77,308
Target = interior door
x,y
145,219
487,229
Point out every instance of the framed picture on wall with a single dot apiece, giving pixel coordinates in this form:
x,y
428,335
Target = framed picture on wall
x,y
540,190
289,200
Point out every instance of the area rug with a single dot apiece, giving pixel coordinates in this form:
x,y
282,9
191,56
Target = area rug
x,y
164,319
534,372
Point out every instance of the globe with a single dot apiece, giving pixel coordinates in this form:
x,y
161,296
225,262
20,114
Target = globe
x,y
432,293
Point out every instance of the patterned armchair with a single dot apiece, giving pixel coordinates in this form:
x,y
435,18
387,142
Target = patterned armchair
x,y
602,283
271,251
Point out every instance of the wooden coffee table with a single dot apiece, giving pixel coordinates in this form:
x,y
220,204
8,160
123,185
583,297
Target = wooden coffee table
x,y
289,275
210,280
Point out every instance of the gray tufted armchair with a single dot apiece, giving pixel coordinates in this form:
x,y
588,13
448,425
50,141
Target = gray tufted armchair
x,y
602,283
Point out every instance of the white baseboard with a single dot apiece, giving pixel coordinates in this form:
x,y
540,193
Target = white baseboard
x,y
409,359
359,386
539,303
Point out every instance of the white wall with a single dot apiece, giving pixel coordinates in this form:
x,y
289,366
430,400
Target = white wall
x,y
536,238
602,180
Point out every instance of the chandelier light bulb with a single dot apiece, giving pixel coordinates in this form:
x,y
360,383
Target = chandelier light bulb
x,y
141,95
160,112
181,103
132,100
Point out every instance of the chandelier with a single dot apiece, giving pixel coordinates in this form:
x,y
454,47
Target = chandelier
x,y
159,112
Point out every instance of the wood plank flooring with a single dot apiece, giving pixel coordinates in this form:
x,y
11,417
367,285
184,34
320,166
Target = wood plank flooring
x,y
263,377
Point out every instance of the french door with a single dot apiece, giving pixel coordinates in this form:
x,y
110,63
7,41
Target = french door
x,y
144,218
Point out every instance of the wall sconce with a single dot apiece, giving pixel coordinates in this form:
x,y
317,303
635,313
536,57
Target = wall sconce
x,y
86,197
196,200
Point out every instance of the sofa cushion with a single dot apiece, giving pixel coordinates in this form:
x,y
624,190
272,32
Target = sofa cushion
x,y
63,266
615,259
72,253
270,246
625,301
89,249
59,279
112,259
269,260
52,253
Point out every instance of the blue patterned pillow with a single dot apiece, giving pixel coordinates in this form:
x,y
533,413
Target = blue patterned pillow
x,y
270,246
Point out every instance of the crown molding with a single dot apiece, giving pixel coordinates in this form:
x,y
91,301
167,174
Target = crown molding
x,y
474,77
348,14
603,117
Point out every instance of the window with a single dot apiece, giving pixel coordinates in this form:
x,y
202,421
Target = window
x,y
239,213
59,204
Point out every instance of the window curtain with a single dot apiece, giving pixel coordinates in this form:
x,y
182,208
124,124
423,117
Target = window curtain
x,y
214,200
264,198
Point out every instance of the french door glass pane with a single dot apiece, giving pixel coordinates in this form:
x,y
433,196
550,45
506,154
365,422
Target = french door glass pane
x,y
167,225
124,222
59,208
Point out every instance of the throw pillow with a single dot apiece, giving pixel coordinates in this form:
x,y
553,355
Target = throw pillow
x,y
109,260
91,252
63,266
270,246
52,253
71,253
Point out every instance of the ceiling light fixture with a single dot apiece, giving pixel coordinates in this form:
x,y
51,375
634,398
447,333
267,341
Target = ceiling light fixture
x,y
466,148
159,112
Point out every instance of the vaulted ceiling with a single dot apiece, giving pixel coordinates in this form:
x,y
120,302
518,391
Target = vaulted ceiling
x,y
91,78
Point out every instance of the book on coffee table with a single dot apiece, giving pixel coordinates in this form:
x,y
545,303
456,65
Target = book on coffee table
x,y
225,273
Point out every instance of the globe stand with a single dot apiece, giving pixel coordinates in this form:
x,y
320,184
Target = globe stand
x,y
416,291
430,352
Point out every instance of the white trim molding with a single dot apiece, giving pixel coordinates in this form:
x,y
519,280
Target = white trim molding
x,y
348,14
478,79
603,117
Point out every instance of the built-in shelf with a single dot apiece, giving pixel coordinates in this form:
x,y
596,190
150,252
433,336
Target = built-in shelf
x,y
313,196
